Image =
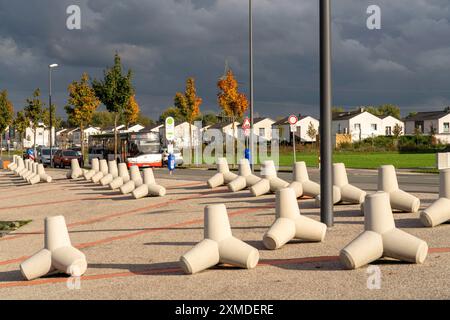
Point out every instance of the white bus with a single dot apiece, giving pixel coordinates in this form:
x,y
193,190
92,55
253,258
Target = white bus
x,y
135,148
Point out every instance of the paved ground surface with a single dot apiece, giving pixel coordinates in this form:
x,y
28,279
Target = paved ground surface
x,y
133,246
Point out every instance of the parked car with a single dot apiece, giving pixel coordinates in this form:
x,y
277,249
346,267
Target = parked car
x,y
63,158
44,155
176,153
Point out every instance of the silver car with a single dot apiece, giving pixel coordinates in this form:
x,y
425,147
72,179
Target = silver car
x,y
44,155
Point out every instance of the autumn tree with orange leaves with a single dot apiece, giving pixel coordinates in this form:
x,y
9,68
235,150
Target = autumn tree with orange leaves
x,y
81,105
131,112
188,104
232,102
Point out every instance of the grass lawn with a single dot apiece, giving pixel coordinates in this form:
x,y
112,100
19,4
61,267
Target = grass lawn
x,y
8,226
359,160
365,160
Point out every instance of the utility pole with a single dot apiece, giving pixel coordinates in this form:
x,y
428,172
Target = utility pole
x,y
250,40
326,150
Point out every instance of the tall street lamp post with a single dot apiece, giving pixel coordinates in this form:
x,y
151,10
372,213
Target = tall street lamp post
x,y
250,29
326,152
50,67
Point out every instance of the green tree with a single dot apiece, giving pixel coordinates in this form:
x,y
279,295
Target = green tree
x,y
312,131
209,119
34,113
6,116
144,120
57,120
21,123
81,105
385,110
114,91
172,112
131,112
102,119
337,109
397,131
188,104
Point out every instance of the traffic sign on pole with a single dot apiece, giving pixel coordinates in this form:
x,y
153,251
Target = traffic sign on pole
x,y
293,122
170,129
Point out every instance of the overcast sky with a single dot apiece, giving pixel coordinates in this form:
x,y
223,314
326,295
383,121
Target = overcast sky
x,y
407,62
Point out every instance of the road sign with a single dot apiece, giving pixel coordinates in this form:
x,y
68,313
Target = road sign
x,y
246,132
293,119
170,129
246,124
293,128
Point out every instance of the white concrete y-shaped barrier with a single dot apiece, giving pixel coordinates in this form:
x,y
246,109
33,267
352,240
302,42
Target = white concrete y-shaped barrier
x,y
219,245
20,166
113,172
381,238
269,182
13,165
75,171
95,167
223,176
290,224
400,200
58,254
439,211
102,172
135,181
246,178
150,187
301,184
123,177
343,191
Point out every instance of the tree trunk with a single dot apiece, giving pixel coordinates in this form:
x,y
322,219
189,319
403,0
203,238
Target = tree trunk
x,y
115,135
34,142
1,145
82,143
235,137
190,141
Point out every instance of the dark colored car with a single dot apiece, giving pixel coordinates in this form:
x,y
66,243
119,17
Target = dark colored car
x,y
63,158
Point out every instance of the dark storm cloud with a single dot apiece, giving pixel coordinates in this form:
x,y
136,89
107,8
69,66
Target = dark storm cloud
x,y
407,62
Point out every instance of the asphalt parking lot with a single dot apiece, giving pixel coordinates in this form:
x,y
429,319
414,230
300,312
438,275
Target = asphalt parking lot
x,y
133,246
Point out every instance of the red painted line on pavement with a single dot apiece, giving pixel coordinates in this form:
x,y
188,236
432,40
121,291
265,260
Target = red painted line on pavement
x,y
174,270
110,216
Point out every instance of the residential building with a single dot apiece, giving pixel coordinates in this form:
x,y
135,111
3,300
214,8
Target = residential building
x,y
262,128
431,122
301,131
360,124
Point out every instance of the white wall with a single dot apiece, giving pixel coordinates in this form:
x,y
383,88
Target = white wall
x,y
42,137
303,126
441,121
265,124
391,122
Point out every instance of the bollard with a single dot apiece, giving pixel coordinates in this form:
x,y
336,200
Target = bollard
x,y
269,182
219,245
301,183
149,186
400,200
123,177
381,238
246,178
290,224
439,211
75,172
95,167
135,181
112,173
223,176
58,253
103,171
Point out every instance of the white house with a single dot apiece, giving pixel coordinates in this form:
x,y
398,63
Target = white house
x,y
262,128
437,122
135,128
182,136
42,136
226,128
388,124
154,128
361,124
302,127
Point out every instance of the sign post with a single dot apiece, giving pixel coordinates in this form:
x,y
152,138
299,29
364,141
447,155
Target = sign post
x,y
170,137
246,127
293,122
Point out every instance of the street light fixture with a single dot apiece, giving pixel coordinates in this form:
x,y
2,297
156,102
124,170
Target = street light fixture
x,y
50,67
